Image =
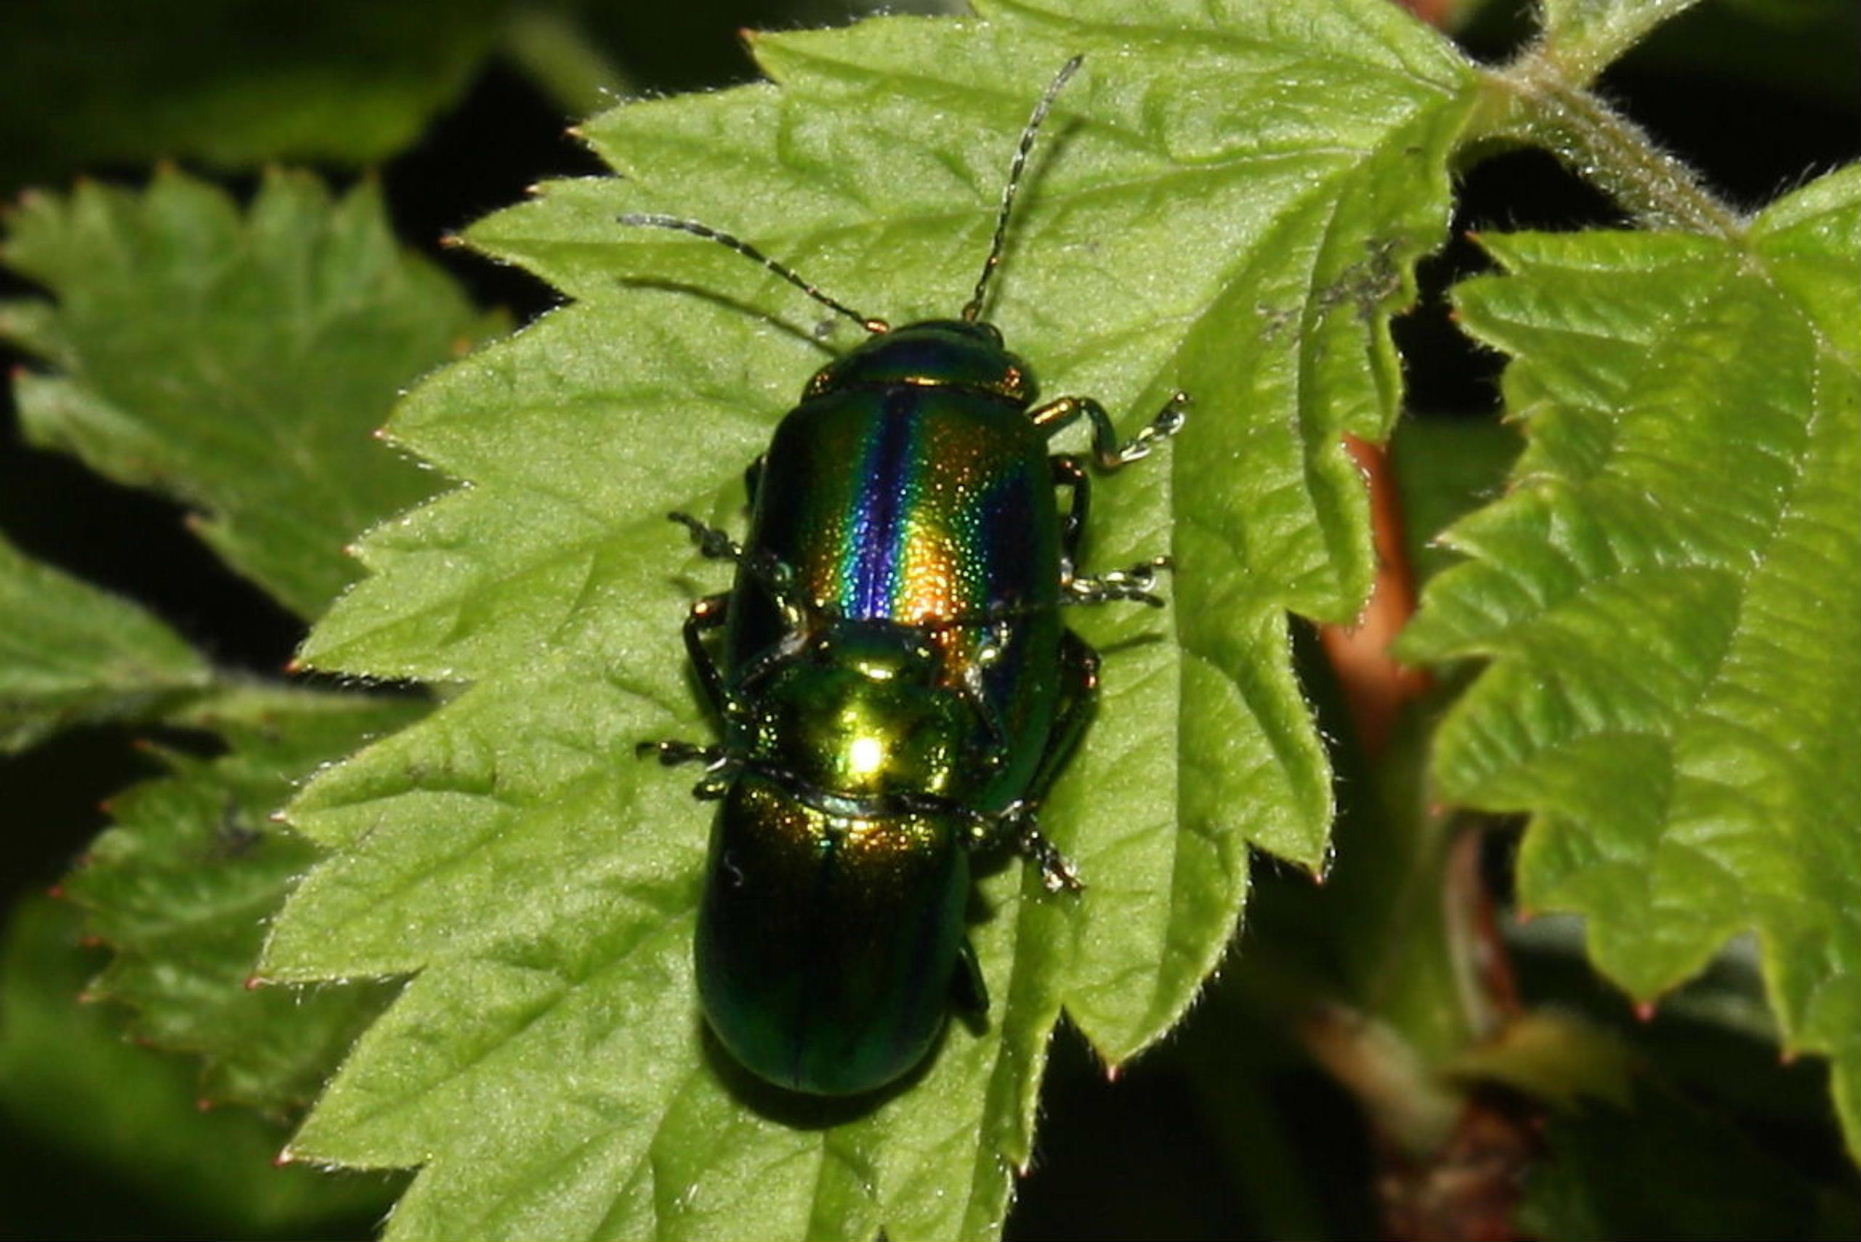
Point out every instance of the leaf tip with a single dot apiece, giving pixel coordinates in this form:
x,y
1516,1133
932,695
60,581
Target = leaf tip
x,y
284,1159
1645,1011
254,982
204,1105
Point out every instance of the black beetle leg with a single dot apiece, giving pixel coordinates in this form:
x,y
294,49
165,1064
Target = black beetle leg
x,y
1070,474
713,543
1079,694
1018,822
708,613
775,575
719,767
1106,451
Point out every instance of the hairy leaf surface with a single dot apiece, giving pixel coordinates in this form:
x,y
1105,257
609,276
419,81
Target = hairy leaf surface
x,y
1670,597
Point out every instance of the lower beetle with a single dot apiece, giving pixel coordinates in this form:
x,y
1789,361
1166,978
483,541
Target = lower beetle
x,y
895,685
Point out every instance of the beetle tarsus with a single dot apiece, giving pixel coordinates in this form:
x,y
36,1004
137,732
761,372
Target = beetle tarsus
x,y
674,753
1134,584
713,544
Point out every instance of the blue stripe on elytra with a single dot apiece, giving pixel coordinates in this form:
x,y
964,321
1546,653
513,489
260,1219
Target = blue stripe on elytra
x,y
879,529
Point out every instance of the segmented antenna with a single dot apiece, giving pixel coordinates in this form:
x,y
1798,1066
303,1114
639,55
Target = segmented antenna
x,y
648,220
1034,122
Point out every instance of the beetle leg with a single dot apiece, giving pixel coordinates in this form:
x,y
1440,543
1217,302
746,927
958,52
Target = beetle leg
x,y
719,767
708,613
1079,693
1133,584
771,571
1106,451
713,543
752,477
1070,474
1018,822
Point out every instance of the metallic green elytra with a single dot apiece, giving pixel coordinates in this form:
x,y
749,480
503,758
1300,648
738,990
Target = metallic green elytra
x,y
893,680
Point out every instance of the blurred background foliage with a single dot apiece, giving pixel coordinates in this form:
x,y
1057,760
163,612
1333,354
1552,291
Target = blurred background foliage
x,y
1231,1129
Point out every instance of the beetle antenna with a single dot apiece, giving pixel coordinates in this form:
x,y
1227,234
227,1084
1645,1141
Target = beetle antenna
x,y
1034,122
648,220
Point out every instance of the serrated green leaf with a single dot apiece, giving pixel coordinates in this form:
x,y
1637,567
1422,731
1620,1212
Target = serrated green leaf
x,y
1226,201
183,885
71,653
71,1085
234,83
237,362
1671,596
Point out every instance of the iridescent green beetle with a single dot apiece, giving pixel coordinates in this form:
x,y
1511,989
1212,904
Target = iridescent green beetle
x,y
894,681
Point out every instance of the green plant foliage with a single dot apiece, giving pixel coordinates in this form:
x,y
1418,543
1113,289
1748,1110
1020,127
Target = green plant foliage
x,y
232,82
183,884
1446,468
1670,597
1660,1167
70,653
235,361
70,1082
1225,201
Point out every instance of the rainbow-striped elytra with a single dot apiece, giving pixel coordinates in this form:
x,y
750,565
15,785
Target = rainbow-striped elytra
x,y
894,682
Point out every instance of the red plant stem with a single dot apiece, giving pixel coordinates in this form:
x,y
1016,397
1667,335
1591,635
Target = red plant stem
x,y
1375,686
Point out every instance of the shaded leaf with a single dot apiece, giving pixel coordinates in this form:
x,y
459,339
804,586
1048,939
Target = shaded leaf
x,y
1670,596
70,653
71,1085
1663,1167
184,883
1224,202
232,82
237,362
